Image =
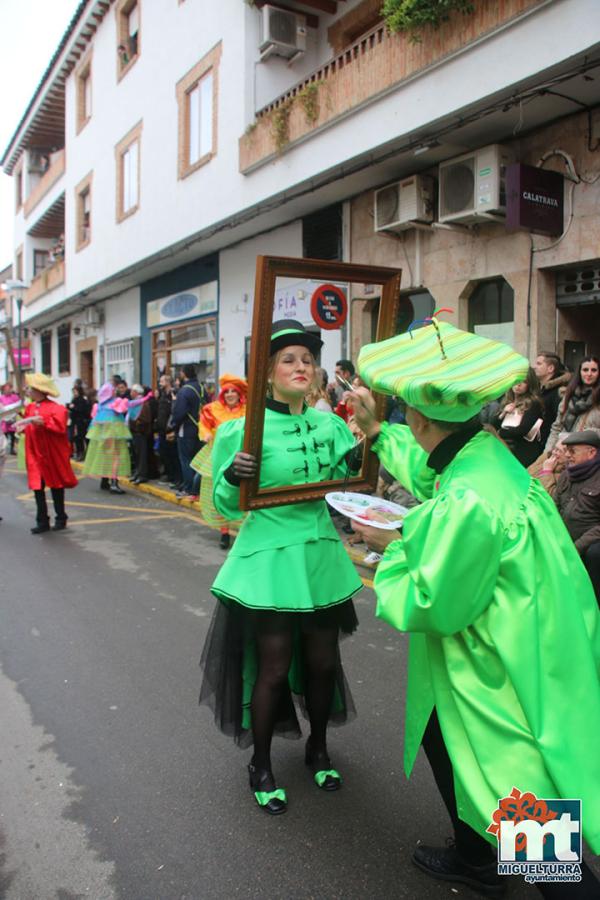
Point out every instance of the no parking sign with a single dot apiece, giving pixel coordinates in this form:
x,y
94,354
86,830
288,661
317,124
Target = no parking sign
x,y
329,306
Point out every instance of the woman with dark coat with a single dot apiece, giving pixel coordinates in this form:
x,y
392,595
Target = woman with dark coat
x,y
520,419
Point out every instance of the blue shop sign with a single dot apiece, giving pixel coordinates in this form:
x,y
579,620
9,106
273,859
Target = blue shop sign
x,y
179,306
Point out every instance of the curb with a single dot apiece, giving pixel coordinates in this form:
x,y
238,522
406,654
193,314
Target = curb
x,y
366,571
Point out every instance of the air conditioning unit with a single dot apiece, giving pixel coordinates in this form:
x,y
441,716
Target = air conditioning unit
x,y
473,186
92,316
398,206
283,33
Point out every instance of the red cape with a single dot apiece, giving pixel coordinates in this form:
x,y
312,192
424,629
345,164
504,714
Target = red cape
x,y
47,448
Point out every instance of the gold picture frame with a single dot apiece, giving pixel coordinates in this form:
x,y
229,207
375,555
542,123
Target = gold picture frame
x,y
268,269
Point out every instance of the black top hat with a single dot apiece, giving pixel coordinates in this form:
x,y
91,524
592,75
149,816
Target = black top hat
x,y
289,333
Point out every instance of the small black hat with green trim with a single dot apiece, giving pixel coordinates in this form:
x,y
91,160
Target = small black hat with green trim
x,y
289,333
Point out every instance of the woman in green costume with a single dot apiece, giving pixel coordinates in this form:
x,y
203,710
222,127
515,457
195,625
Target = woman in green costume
x,y
503,687
285,589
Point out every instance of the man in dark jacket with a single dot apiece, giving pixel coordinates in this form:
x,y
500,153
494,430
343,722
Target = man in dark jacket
x,y
553,380
578,498
167,440
185,416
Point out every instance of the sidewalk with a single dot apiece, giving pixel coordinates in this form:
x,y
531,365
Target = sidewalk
x,y
366,572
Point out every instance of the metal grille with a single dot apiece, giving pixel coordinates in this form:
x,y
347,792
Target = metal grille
x,y
575,287
121,352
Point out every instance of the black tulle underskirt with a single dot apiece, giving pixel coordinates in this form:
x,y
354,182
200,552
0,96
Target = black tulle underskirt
x,y
228,664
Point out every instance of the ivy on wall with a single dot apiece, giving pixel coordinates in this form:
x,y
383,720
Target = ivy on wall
x,y
411,16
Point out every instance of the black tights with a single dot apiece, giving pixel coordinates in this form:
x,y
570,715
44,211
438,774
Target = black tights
x,y
274,658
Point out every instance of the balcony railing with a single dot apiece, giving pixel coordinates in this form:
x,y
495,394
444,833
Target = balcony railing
x,y
48,179
367,69
46,281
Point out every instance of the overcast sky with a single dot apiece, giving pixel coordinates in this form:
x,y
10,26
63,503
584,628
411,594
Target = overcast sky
x,y
31,31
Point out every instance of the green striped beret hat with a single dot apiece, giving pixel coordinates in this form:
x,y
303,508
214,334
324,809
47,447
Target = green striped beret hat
x,y
441,371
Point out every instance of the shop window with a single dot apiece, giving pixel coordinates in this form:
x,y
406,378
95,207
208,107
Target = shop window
x,y
120,360
46,348
64,349
197,96
127,154
193,343
83,200
128,34
40,261
322,234
491,310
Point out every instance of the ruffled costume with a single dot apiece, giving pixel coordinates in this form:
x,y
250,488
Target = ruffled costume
x,y
108,435
212,415
286,559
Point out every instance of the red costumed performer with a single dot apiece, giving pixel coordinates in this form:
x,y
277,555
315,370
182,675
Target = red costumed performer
x,y
47,451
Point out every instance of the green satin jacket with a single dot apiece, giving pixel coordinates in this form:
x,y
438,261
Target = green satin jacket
x,y
505,629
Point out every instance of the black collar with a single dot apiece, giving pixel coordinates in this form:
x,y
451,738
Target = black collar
x,y
447,449
277,406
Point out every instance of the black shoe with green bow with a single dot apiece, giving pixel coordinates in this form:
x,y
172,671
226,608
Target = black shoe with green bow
x,y
269,797
325,777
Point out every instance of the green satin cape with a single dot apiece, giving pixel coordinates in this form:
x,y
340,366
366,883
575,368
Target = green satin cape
x,y
505,629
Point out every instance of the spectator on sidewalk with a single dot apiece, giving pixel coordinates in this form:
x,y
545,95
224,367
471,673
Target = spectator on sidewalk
x,y
578,498
553,379
140,420
185,417
7,398
519,419
79,419
167,440
580,407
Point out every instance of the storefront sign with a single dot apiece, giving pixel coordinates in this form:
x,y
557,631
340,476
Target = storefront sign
x,y
534,199
197,301
292,302
329,306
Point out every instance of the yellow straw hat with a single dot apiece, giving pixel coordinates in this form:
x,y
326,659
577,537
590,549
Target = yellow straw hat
x,y
42,383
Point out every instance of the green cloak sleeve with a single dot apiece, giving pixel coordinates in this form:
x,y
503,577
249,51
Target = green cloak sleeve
x,y
405,459
438,578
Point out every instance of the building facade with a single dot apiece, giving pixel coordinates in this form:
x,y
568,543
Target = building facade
x,y
166,147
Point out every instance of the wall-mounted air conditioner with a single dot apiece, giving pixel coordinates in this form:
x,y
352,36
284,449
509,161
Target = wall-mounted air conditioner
x,y
283,33
92,316
398,206
472,186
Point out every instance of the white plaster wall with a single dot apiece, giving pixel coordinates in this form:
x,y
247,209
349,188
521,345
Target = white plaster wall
x,y
122,316
237,270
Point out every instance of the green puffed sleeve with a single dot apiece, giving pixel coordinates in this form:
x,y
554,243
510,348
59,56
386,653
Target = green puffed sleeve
x,y
228,442
441,575
402,456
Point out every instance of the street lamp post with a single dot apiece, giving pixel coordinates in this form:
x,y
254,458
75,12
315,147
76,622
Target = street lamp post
x,y
15,288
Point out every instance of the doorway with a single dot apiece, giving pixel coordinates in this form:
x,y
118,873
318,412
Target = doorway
x,y
86,367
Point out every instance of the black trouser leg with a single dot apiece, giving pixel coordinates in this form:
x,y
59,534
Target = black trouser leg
x,y
591,560
58,498
473,848
41,517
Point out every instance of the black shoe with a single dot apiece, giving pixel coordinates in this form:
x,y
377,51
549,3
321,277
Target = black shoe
x,y
104,484
41,529
141,481
59,525
225,541
270,798
115,487
325,777
445,864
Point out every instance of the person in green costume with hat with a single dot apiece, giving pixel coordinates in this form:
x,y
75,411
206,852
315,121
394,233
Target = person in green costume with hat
x,y
488,582
285,589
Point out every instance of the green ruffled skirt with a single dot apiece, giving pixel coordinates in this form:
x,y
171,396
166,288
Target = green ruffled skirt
x,y
108,450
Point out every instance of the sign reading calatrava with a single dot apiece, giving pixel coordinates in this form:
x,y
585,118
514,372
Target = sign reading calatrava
x,y
198,301
534,199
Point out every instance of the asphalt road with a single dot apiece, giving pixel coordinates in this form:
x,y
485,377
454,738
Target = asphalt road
x,y
115,784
